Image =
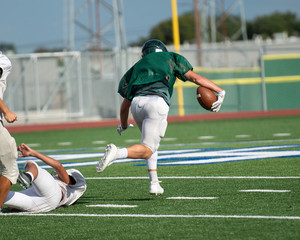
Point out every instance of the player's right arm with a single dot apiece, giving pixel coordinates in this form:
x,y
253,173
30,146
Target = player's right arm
x,y
124,112
60,170
8,115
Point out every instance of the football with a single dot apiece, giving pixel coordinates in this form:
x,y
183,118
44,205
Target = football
x,y
206,97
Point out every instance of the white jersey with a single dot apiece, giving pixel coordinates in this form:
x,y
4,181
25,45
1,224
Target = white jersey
x,y
5,65
71,192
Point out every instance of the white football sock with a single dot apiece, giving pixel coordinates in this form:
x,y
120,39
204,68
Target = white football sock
x,y
152,167
122,153
152,161
153,176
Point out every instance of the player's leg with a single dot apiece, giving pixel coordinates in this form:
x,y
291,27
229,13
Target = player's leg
x,y
43,182
8,163
154,128
5,186
23,201
150,114
140,112
135,151
155,187
25,178
44,195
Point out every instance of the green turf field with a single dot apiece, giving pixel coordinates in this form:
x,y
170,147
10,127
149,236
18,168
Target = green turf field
x,y
248,188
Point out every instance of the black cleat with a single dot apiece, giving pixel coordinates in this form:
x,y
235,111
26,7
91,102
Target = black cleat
x,y
24,180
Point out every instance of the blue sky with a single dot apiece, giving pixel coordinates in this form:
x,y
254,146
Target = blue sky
x,y
34,23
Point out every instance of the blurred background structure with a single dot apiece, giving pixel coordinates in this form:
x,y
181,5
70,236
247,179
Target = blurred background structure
x,y
78,82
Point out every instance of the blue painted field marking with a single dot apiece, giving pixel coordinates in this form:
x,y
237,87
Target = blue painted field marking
x,y
184,156
240,154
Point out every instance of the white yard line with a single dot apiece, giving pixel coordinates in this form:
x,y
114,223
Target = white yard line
x,y
282,134
33,144
99,142
196,177
242,136
192,198
206,137
264,190
168,139
64,143
153,216
112,206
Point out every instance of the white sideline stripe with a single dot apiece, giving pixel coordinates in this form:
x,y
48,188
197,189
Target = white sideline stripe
x,y
191,198
196,177
264,190
112,206
153,216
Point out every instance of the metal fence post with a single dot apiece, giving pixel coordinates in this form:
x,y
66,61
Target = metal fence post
x,y
263,81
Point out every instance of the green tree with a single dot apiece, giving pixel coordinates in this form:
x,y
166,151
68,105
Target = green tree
x,y
267,25
5,47
164,30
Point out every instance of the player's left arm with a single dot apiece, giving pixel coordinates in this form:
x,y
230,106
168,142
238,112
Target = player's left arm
x,y
204,82
60,170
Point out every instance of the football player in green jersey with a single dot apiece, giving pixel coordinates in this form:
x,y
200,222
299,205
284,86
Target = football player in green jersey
x,y
147,88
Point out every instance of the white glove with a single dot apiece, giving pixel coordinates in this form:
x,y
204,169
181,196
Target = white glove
x,y
217,105
120,129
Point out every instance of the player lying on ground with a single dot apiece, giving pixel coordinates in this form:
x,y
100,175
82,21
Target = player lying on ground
x,y
47,192
147,88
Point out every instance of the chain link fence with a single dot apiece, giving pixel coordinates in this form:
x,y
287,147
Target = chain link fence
x,y
82,86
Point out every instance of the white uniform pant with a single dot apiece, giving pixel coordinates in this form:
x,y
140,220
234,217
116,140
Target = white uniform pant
x,y
44,195
150,114
8,155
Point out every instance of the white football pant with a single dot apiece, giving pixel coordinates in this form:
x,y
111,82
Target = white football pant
x,y
8,155
150,114
44,195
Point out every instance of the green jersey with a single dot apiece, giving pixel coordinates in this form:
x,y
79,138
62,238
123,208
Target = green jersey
x,y
154,74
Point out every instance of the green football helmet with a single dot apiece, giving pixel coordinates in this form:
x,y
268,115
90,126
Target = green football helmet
x,y
153,46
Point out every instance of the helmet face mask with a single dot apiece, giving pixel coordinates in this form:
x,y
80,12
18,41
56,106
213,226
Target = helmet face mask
x,y
153,46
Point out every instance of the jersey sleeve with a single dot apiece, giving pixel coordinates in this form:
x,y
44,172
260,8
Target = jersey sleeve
x,y
182,66
124,84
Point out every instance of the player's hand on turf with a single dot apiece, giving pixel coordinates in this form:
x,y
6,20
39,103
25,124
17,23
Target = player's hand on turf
x,y
217,105
120,129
